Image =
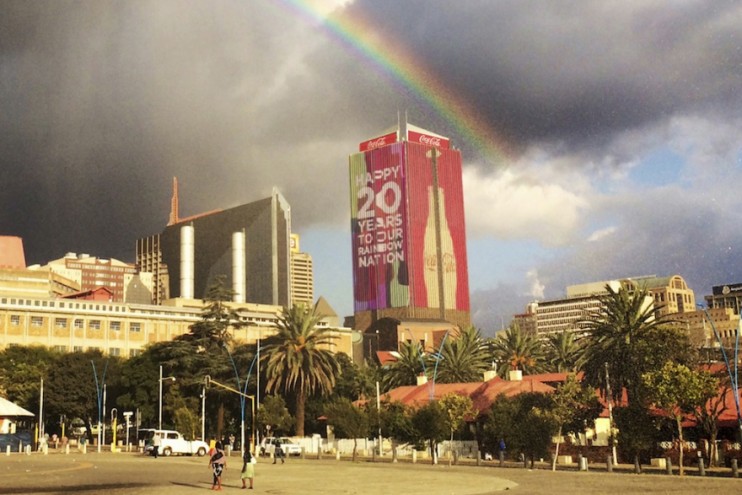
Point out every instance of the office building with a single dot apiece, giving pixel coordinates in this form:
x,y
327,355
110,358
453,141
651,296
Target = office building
x,y
725,296
408,232
121,329
124,280
247,245
667,295
11,252
302,275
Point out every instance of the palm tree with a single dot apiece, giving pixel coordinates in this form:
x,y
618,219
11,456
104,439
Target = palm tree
x,y
564,352
515,350
411,362
295,360
463,358
614,332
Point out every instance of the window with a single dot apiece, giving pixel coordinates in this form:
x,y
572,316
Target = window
x,y
37,321
60,323
77,348
60,348
135,327
95,324
116,326
15,320
79,323
135,352
114,351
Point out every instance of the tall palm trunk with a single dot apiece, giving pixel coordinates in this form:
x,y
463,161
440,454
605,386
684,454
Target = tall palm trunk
x,y
300,402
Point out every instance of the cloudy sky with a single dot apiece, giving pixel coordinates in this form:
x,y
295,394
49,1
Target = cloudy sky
x,y
600,139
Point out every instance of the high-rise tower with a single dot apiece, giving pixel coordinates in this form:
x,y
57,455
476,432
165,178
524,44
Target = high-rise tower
x,y
247,244
407,223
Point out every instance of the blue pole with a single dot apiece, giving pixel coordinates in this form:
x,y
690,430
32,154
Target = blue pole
x,y
733,376
437,360
244,391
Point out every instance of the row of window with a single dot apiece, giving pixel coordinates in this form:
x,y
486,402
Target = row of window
x,y
112,351
78,323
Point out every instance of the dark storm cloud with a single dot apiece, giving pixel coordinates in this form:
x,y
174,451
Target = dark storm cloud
x,y
575,72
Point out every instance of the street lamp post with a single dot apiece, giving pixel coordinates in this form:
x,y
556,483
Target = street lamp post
x,y
243,395
159,423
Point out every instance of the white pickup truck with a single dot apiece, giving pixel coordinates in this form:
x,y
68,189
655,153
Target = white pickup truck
x,y
268,446
172,442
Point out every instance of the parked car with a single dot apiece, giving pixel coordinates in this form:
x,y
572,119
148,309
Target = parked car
x,y
268,446
172,442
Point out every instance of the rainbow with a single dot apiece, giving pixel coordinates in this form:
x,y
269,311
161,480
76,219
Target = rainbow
x,y
397,63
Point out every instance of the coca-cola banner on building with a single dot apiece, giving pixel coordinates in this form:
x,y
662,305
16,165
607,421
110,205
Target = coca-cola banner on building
x,y
378,142
427,139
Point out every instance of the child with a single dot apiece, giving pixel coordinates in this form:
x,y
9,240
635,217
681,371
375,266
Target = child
x,y
248,468
218,462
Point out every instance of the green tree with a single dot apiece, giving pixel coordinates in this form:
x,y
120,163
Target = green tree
x,y
273,414
573,409
396,423
429,423
21,371
212,332
638,432
614,332
679,391
348,421
563,352
457,408
297,358
187,422
708,416
410,363
75,393
355,382
524,422
515,350
463,358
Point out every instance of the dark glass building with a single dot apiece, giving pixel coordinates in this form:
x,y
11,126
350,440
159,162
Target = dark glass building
x,y
190,253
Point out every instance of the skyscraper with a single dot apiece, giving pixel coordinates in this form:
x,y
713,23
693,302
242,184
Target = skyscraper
x,y
408,231
302,275
247,244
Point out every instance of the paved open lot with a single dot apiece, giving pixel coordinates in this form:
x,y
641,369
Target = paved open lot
x,y
113,474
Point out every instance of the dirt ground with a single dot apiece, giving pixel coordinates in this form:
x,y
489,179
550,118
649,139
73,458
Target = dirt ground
x,y
113,474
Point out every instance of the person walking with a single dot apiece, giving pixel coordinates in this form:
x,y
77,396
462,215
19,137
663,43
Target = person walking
x,y
217,463
278,453
156,442
248,468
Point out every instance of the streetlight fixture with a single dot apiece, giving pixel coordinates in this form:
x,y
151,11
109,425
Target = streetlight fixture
x,y
159,424
243,395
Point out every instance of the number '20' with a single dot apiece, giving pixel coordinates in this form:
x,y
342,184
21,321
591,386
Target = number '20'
x,y
388,203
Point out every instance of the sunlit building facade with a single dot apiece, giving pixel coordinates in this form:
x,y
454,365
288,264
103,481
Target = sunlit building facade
x,y
408,230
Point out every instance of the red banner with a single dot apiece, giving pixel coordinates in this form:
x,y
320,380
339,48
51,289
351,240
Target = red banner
x,y
378,142
427,139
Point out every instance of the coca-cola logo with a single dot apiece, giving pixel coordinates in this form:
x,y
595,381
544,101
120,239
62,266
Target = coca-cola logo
x,y
430,140
376,143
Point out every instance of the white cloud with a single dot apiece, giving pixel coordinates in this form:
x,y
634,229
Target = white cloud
x,y
536,287
601,233
525,203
